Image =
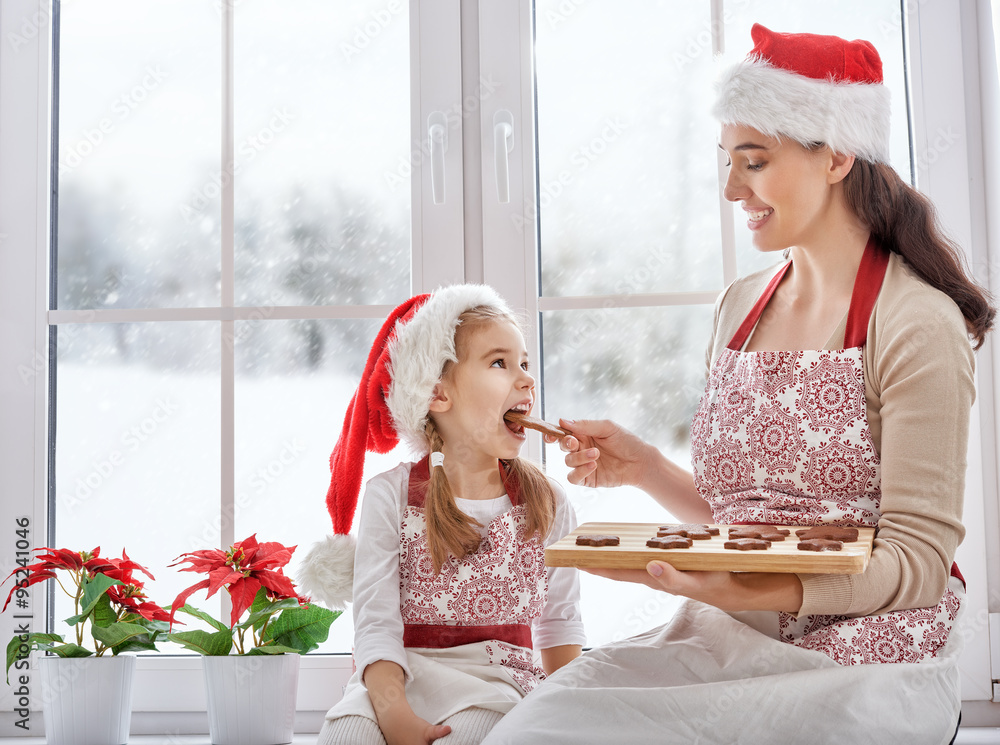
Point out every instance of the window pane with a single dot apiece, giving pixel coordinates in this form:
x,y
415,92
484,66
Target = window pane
x,y
137,445
288,418
628,191
649,380
322,152
139,124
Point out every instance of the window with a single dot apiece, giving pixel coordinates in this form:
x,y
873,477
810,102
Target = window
x,y
635,241
215,303
246,187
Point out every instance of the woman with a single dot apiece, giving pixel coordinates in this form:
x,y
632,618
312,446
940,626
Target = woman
x,y
839,391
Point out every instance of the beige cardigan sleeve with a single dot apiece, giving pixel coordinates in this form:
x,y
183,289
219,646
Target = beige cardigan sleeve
x,y
919,379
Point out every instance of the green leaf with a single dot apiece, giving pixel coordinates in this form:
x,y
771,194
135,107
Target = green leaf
x,y
302,629
93,591
203,642
71,650
137,644
35,640
272,649
192,611
103,615
258,616
146,623
117,633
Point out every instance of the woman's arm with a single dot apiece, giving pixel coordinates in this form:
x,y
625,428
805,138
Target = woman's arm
x,y
730,591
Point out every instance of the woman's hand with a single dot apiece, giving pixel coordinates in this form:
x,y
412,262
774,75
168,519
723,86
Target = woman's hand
x,y
728,591
602,453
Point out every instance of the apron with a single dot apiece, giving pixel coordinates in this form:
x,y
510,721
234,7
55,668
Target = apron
x,y
467,630
782,438
490,596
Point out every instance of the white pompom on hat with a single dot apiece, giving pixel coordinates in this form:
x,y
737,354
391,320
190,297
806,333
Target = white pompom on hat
x,y
391,404
811,89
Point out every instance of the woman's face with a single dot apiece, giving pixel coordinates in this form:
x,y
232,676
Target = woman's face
x,y
784,188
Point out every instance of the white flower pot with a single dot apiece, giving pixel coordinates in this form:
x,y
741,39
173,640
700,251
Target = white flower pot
x,y
251,698
86,700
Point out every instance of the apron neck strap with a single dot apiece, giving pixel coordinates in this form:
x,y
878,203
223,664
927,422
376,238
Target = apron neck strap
x,y
420,476
867,284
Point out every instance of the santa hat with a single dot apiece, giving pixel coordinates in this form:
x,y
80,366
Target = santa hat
x,y
810,88
391,404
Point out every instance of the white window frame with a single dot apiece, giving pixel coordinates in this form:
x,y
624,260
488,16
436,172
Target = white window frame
x,y
458,240
947,121
169,690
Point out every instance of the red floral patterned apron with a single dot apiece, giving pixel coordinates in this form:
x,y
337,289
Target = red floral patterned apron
x,y
490,596
783,438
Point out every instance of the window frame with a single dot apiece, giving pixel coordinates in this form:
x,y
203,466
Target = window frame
x,y
452,242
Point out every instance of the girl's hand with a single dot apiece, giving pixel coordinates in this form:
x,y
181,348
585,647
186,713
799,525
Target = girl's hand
x,y
602,453
400,725
728,591
406,728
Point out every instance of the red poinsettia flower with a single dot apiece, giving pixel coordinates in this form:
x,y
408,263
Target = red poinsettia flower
x,y
45,568
133,599
242,570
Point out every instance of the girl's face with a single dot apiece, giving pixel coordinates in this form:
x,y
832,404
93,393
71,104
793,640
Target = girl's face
x,y
785,188
490,378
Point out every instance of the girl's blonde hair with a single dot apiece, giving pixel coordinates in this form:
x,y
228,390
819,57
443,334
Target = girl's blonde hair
x,y
449,530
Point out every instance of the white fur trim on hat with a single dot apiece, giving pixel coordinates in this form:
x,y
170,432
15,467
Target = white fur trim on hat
x,y
418,354
326,573
851,118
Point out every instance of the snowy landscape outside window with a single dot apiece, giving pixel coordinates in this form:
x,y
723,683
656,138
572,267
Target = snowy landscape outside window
x,y
319,128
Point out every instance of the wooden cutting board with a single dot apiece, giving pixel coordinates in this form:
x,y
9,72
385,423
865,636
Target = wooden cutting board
x,y
706,555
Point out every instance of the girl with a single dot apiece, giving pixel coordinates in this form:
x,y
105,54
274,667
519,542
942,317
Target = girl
x,y
839,391
450,589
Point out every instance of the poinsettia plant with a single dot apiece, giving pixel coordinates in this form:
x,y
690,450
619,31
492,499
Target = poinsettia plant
x,y
107,598
268,615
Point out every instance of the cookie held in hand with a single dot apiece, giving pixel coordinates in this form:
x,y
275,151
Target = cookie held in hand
x,y
539,425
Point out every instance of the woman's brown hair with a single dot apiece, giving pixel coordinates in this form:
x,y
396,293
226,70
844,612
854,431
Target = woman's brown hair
x,y
903,221
449,530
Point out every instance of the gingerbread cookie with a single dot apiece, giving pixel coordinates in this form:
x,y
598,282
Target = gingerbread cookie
x,y
747,544
540,425
689,530
669,541
829,532
820,544
597,540
767,532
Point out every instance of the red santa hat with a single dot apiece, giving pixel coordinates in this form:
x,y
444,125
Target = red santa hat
x,y
810,88
391,404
